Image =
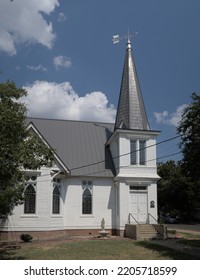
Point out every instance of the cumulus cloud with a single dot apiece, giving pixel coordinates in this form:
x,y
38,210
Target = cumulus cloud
x,y
61,61
23,21
170,119
60,101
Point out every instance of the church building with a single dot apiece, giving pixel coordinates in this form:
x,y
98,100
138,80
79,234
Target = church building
x,y
100,171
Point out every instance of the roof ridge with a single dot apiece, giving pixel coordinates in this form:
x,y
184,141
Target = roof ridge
x,y
67,120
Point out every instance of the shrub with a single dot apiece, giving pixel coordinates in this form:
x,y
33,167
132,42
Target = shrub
x,y
172,231
26,237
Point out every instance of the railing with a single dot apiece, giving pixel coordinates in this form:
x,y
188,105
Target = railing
x,y
153,218
129,218
161,229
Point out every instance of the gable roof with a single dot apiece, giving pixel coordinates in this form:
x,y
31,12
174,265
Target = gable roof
x,y
79,145
131,113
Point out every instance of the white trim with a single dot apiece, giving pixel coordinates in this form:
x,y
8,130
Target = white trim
x,y
133,133
29,216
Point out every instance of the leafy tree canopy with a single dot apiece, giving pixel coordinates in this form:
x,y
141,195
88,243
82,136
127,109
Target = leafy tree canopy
x,y
189,129
179,186
176,194
19,149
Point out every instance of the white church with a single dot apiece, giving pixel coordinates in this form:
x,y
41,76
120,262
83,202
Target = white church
x,y
100,171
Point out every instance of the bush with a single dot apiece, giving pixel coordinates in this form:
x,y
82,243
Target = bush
x,y
26,237
172,231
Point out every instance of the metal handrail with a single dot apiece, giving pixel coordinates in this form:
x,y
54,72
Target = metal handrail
x,y
162,233
153,218
133,218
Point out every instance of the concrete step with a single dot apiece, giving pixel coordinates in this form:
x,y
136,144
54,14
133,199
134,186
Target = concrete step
x,y
143,231
148,232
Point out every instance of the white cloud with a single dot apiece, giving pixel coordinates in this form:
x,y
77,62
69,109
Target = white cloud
x,y
170,119
62,17
22,21
39,67
61,61
6,42
60,101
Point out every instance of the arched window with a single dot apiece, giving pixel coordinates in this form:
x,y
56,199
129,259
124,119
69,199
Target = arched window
x,y
30,199
56,200
87,201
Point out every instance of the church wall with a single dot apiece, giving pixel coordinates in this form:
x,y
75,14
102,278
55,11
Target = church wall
x,y
151,152
152,207
124,151
103,204
42,219
70,221
114,148
123,206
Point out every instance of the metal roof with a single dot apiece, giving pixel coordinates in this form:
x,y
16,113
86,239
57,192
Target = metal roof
x,y
131,113
79,145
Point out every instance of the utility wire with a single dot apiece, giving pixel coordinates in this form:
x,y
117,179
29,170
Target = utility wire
x,y
102,161
92,173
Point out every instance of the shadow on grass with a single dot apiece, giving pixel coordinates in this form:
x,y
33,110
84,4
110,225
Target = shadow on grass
x,y
166,252
9,255
190,242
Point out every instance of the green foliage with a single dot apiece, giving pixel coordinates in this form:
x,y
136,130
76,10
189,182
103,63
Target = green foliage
x,y
176,194
19,149
179,187
189,129
26,237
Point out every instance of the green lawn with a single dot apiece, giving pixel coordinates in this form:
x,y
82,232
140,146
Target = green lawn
x,y
108,249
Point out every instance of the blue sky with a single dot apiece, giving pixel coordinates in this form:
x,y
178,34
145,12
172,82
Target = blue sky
x,y
62,53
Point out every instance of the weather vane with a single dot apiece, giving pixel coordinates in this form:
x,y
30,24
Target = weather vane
x,y
116,38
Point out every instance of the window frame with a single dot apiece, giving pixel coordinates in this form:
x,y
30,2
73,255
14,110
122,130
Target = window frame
x,y
56,184
87,185
30,181
133,152
138,156
56,200
142,152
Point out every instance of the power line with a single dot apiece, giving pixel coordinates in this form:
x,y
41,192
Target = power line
x,y
102,161
125,166
121,167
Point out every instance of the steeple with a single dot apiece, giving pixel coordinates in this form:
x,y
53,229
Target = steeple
x,y
131,113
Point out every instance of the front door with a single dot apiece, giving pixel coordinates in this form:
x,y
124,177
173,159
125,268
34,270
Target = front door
x,y
138,207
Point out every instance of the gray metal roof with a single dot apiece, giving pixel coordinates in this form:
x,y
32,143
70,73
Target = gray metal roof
x,y
131,113
79,145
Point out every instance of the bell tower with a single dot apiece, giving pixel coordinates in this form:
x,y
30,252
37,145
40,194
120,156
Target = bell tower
x,y
133,148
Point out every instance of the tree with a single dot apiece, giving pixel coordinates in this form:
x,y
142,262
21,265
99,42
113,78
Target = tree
x,y
176,194
189,129
19,149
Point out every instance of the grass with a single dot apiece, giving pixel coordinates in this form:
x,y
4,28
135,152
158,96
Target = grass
x,y
108,249
189,235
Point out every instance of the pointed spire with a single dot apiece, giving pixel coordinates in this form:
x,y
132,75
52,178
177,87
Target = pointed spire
x,y
131,113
